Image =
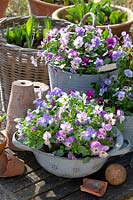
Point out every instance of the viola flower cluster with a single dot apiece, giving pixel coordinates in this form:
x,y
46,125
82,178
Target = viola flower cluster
x,y
119,89
72,125
83,49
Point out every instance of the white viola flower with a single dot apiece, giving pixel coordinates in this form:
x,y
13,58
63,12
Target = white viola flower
x,y
78,42
75,63
103,154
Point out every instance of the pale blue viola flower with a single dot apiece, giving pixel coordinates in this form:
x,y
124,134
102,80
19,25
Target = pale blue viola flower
x,y
95,41
69,141
40,104
121,95
88,134
21,136
82,118
127,41
98,63
78,42
116,55
45,120
75,63
131,96
29,117
80,31
107,81
102,91
128,73
71,156
66,127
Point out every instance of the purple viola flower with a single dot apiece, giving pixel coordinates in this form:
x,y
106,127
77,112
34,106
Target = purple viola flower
x,y
45,120
58,58
88,134
102,91
86,61
72,53
48,57
101,134
60,136
111,140
98,63
34,128
119,113
99,100
40,103
68,141
95,42
95,147
107,127
111,42
90,94
29,117
82,118
21,136
74,93
56,92
80,31
105,148
116,55
85,135
121,95
19,126
107,81
127,41
131,96
78,42
66,127
71,156
128,73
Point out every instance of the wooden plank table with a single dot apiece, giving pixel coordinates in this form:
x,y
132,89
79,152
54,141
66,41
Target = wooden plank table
x,y
38,184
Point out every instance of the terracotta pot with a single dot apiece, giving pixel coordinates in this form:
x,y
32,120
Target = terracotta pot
x,y
42,8
3,6
21,99
116,28
3,141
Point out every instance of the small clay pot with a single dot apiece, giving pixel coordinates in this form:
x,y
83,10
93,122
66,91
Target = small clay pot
x,y
3,141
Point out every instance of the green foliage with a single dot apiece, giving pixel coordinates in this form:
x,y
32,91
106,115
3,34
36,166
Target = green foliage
x,y
28,34
105,14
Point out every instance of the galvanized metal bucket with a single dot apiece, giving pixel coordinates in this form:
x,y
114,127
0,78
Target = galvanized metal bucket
x,y
68,81
128,130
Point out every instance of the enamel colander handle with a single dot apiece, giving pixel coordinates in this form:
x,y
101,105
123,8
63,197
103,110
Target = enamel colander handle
x,y
89,14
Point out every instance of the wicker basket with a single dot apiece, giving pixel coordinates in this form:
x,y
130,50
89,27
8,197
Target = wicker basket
x,y
15,62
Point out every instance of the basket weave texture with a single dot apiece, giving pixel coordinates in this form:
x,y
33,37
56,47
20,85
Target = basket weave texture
x,y
15,61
